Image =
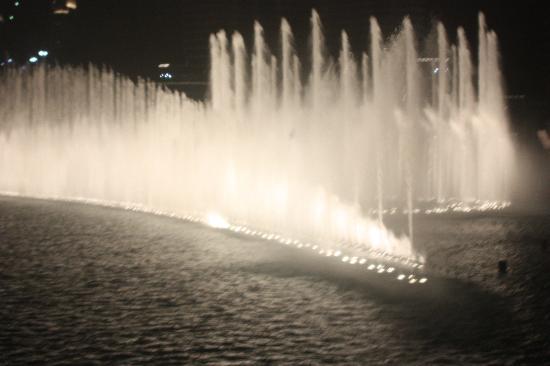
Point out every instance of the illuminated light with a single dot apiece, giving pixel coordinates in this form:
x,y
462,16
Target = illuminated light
x,y
33,59
264,236
353,260
71,4
300,245
216,221
329,252
362,261
423,280
411,276
270,237
370,267
337,253
164,66
16,3
381,270
322,251
42,53
412,280
9,60
314,247
391,269
401,277
345,259
296,242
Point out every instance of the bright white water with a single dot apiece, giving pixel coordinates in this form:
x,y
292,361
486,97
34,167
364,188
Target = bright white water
x,y
301,153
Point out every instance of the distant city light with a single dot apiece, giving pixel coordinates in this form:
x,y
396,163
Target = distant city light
x,y
16,3
62,11
436,70
71,4
166,75
11,17
164,66
42,53
9,60
33,59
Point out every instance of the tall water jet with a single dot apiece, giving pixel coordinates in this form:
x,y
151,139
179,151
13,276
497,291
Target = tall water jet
x,y
440,148
239,72
286,64
317,61
376,52
259,67
412,113
464,175
365,76
347,71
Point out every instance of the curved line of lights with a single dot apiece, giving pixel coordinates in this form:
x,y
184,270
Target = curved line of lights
x,y
379,262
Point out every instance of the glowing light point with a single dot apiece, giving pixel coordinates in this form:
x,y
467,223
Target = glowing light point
x,y
412,281
33,59
371,267
423,280
390,270
42,53
401,277
337,253
216,221
345,259
362,261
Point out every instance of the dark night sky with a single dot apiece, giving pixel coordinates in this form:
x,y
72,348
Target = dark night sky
x,y
133,36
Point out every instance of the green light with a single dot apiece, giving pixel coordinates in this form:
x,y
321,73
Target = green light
x,y
16,3
11,17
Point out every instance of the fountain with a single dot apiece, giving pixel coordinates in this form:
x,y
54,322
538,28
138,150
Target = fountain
x,y
318,155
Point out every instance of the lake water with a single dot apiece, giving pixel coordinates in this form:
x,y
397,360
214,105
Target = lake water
x,y
89,285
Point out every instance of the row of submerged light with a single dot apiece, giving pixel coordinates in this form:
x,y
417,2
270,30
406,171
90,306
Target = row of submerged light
x,y
475,206
217,221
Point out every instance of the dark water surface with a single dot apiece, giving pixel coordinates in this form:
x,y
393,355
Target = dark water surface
x,y
90,285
